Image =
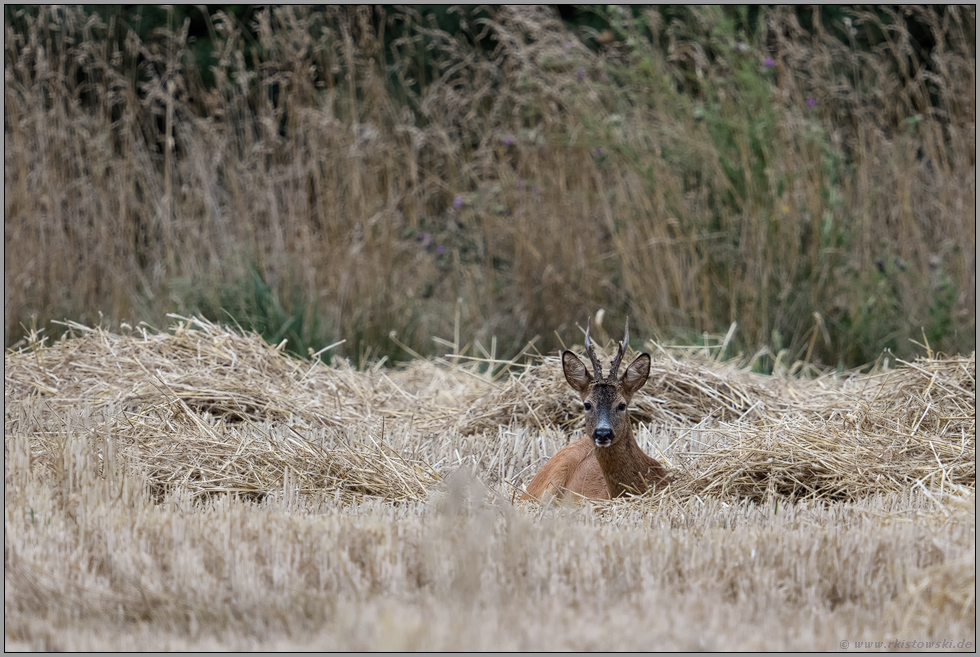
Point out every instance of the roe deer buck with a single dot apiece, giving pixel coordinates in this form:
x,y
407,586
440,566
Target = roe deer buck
x,y
607,462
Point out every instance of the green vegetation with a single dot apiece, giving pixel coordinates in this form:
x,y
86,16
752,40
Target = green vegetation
x,y
341,173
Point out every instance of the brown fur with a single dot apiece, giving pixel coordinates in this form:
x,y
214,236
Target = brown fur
x,y
589,467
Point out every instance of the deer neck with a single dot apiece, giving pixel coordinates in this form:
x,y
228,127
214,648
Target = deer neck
x,y
626,467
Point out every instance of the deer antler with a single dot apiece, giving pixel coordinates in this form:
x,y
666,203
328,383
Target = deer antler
x,y
614,368
590,350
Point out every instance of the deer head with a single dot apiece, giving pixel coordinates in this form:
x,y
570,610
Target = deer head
x,y
606,398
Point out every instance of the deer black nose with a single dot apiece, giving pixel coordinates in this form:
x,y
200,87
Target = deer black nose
x,y
603,437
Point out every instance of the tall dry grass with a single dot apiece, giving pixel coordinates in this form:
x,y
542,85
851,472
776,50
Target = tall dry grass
x,y
328,187
199,489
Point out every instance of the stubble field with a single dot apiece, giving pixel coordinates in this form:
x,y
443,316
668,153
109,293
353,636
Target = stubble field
x,y
199,489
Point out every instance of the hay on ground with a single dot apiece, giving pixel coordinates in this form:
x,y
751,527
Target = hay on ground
x,y
216,410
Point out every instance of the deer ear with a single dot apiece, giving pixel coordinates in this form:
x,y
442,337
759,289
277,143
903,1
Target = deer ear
x,y
575,372
636,375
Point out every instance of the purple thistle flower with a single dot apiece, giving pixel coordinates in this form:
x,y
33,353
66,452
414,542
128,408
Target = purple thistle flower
x,y
508,140
458,202
811,102
769,62
440,249
580,74
423,237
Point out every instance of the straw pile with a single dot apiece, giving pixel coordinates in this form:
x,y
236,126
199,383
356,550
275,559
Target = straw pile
x,y
894,430
681,393
211,369
214,410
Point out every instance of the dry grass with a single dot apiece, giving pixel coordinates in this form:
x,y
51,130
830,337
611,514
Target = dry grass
x,y
339,189
200,489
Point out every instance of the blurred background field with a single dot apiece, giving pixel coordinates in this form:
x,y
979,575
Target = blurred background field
x,y
340,173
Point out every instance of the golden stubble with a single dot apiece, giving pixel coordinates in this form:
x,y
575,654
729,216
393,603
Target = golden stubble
x,y
198,489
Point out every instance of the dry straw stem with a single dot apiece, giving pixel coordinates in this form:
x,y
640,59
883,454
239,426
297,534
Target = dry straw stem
x,y
199,488
459,573
949,587
886,432
215,410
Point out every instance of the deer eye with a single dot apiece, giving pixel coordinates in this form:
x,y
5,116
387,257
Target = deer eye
x,y
588,406
622,406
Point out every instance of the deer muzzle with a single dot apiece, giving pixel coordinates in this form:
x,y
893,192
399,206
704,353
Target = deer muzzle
x,y
603,436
